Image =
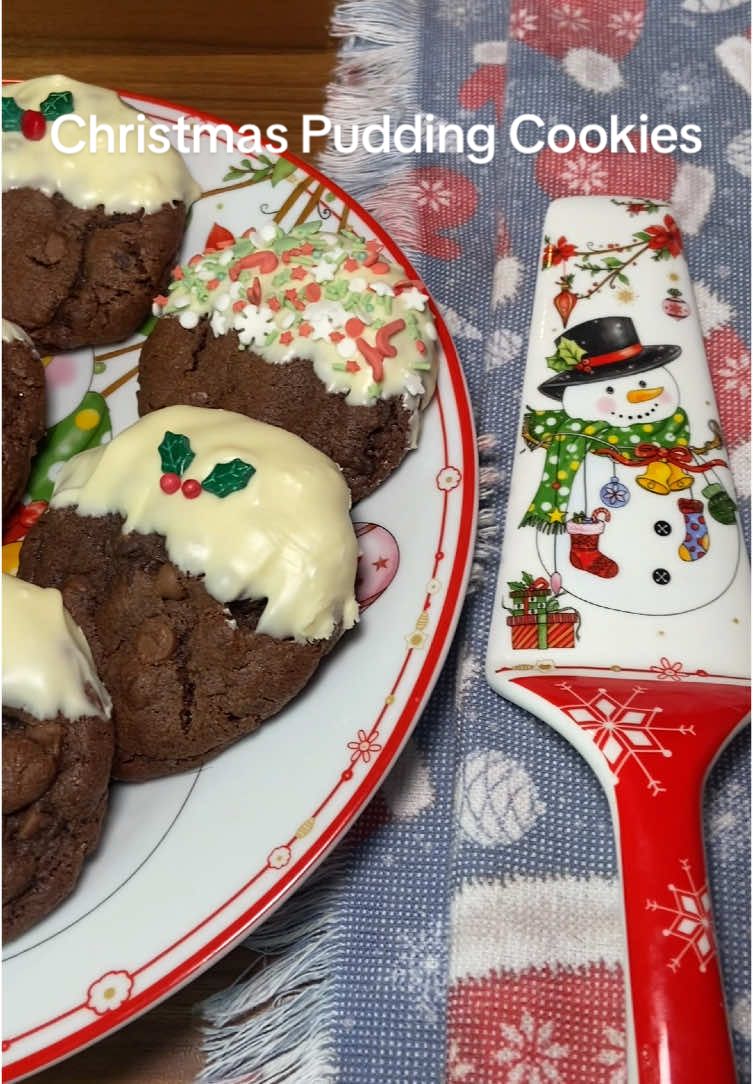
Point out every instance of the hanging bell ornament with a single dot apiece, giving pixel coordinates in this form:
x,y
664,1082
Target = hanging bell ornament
x,y
614,494
721,506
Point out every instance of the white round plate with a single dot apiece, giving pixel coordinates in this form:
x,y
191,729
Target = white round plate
x,y
188,865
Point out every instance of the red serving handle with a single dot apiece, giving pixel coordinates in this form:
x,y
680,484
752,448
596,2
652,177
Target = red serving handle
x,y
659,739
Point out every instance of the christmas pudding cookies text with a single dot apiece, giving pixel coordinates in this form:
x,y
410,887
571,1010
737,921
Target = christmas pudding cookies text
x,y
57,751
88,236
211,561
319,333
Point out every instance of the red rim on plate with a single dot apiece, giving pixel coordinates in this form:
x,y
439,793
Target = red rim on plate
x,y
216,944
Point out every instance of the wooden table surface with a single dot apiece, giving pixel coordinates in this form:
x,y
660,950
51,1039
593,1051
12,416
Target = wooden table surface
x,y
257,67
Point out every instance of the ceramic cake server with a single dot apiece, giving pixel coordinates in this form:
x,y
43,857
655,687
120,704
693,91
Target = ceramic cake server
x,y
621,614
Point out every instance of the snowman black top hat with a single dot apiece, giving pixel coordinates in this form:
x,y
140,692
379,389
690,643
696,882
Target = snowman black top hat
x,y
612,349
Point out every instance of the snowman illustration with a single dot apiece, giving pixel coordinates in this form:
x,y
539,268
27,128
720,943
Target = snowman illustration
x,y
619,512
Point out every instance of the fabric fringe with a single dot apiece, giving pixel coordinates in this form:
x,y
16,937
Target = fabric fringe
x,y
376,74
276,1022
488,531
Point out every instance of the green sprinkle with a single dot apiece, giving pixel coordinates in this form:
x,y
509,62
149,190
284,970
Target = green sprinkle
x,y
424,365
338,366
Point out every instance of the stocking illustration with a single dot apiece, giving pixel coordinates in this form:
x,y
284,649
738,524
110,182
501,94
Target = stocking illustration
x,y
584,534
696,542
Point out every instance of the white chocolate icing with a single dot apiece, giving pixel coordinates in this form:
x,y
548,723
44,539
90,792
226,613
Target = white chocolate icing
x,y
286,537
332,298
13,333
47,664
120,181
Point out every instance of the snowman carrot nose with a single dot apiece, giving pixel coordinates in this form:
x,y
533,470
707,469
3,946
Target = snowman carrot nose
x,y
642,395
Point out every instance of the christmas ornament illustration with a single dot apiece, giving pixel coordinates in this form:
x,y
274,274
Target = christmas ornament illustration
x,y
620,442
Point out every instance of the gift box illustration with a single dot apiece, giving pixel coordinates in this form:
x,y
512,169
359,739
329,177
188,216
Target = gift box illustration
x,y
536,619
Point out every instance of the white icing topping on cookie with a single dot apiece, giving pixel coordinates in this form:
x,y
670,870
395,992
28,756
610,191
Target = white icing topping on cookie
x,y
13,333
121,181
47,664
335,299
284,535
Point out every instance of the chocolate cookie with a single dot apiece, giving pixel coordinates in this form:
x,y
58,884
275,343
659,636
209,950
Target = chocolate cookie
x,y
57,751
89,236
75,277
23,411
317,333
216,604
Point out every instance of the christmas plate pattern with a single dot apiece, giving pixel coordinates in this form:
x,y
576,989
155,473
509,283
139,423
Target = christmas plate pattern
x,y
621,615
203,857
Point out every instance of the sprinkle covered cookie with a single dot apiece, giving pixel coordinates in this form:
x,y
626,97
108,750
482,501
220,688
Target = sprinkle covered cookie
x,y
318,333
211,561
89,236
57,751
23,411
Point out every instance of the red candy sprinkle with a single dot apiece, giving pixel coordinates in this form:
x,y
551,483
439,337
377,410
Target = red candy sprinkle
x,y
336,336
213,284
351,264
313,291
160,299
352,367
219,238
305,329
380,267
286,338
177,273
307,249
191,488
33,124
169,483
291,295
274,304
254,292
239,306
298,273
420,346
354,327
299,305
195,260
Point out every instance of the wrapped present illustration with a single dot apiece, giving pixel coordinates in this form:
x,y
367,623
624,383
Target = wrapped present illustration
x,y
536,619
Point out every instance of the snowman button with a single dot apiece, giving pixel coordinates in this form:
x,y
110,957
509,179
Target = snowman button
x,y
662,528
661,576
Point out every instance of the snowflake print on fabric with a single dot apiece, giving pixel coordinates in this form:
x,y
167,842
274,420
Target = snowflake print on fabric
x,y
419,969
570,17
496,799
433,193
614,1056
626,24
584,175
684,86
530,1052
625,732
691,920
522,23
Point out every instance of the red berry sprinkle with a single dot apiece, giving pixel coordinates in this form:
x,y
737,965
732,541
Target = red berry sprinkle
x,y
286,338
313,291
33,124
351,264
191,488
169,483
305,329
274,304
354,327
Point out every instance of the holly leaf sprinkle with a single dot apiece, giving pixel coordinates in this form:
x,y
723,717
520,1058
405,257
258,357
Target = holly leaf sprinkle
x,y
12,113
57,104
567,356
227,478
176,454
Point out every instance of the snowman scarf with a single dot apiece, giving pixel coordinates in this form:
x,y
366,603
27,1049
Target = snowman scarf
x,y
569,440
